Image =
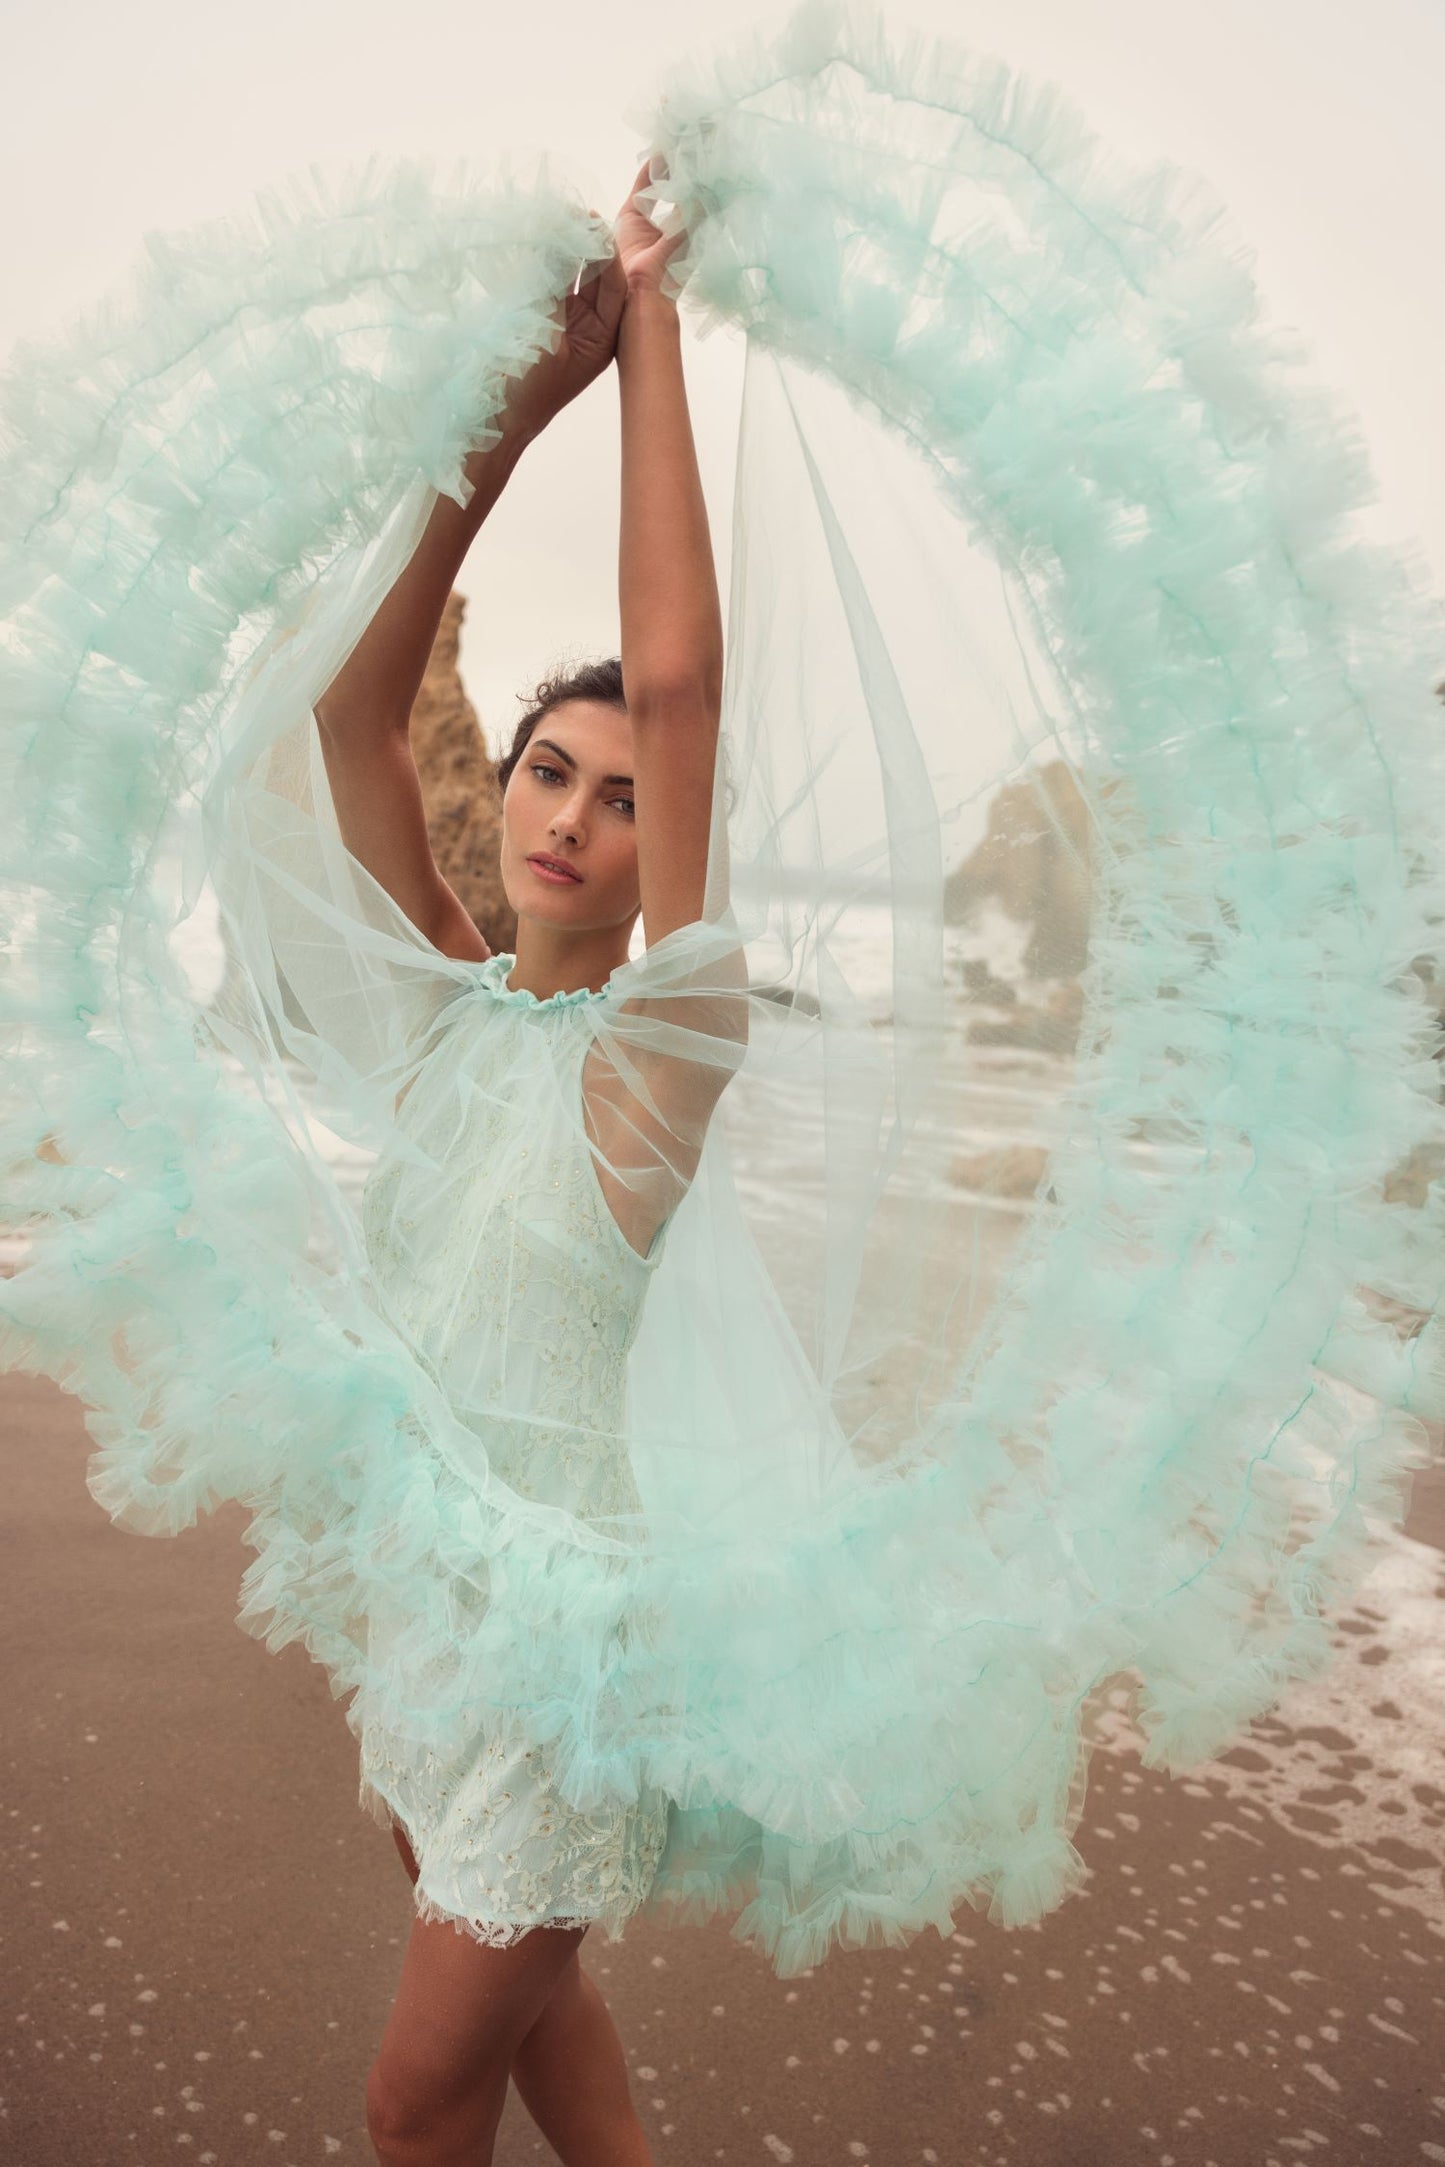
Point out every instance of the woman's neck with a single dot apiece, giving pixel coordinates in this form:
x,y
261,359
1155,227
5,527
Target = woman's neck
x,y
550,960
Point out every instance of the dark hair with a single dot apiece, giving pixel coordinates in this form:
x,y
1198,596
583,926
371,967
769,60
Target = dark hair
x,y
591,681
587,681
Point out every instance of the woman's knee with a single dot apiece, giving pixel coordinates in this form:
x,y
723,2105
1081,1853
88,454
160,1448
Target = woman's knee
x,y
391,2107
412,2102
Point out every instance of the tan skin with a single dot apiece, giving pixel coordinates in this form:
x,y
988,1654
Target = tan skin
x,y
467,2019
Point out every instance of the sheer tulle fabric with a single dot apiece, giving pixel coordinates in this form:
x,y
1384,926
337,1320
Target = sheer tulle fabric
x,y
900,1457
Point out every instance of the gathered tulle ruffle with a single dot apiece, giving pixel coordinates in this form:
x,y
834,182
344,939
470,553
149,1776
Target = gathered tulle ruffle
x,y
1190,1408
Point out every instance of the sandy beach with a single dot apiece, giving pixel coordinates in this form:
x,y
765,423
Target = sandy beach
x,y
202,1931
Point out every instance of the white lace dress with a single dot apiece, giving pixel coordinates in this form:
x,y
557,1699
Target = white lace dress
x,y
506,1267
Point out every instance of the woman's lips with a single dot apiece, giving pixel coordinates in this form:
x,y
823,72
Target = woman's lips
x,y
545,871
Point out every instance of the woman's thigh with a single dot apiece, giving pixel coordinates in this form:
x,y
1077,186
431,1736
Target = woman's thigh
x,y
461,2011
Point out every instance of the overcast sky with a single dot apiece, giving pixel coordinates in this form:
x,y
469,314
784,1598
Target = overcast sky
x,y
1318,121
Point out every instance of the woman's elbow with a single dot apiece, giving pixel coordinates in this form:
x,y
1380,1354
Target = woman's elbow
x,y
688,691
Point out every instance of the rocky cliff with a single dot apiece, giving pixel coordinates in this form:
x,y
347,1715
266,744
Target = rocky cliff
x,y
458,782
1033,866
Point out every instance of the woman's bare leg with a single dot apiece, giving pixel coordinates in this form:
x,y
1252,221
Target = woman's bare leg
x,y
435,2093
571,2073
568,2068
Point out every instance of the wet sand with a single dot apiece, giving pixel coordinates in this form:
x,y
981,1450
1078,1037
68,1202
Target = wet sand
x,y
201,1931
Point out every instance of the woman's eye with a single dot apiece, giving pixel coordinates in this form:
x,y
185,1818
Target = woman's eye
x,y
545,768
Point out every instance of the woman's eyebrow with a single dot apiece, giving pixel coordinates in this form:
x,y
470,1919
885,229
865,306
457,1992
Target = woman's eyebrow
x,y
553,746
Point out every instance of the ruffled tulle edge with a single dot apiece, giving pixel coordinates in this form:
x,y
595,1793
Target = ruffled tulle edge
x,y
138,1265
716,1879
1260,676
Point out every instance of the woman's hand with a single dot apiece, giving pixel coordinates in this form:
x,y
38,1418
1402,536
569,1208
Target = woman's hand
x,y
642,248
589,321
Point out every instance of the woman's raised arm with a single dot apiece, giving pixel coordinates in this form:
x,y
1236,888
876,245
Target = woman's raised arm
x,y
649,1106
671,621
364,715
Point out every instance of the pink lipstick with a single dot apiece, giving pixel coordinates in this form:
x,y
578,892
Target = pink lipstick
x,y
552,869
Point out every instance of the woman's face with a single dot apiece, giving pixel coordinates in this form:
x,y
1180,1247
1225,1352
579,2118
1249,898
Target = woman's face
x,y
570,798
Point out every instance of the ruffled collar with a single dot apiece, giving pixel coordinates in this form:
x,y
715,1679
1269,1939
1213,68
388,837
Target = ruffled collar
x,y
494,972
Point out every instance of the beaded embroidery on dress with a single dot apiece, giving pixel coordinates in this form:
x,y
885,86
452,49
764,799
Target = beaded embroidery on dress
x,y
499,1255
509,1272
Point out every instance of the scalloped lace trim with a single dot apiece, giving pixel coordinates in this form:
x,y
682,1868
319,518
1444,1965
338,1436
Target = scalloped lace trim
x,y
502,1933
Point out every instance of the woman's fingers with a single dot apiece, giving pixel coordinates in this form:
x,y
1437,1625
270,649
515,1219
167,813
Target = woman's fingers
x,y
643,245
645,176
594,323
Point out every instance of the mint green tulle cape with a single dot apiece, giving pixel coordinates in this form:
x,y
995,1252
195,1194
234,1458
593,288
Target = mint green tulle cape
x,y
914,1493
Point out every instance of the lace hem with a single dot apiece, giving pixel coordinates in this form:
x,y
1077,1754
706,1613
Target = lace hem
x,y
491,1933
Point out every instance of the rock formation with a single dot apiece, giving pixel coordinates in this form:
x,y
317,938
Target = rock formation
x,y
1033,864
459,786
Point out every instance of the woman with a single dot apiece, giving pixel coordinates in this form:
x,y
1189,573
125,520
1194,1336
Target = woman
x,y
611,817
911,1496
